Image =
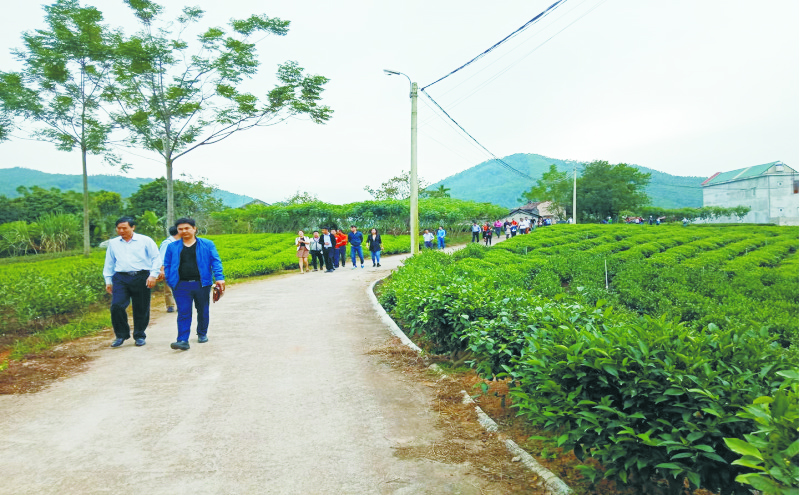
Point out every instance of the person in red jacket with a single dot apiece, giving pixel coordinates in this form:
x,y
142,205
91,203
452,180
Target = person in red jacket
x,y
341,248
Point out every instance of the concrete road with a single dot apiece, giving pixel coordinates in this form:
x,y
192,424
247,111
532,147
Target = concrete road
x,y
282,399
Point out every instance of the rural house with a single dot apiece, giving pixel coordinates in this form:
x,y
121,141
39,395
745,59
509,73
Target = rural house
x,y
770,190
534,210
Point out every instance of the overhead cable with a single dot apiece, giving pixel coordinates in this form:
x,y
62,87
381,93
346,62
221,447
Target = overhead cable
x,y
500,162
519,30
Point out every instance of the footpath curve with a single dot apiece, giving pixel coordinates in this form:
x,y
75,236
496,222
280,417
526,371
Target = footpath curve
x,y
285,398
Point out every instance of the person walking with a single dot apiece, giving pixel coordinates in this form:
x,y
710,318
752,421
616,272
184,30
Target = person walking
x,y
508,230
375,247
476,229
428,237
341,248
315,248
498,226
130,270
356,238
169,300
487,234
191,267
440,236
302,242
328,248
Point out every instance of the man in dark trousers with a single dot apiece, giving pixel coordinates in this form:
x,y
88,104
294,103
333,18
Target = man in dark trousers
x,y
191,266
315,248
131,268
328,249
356,238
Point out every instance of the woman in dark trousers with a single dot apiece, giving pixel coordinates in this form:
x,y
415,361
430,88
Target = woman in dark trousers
x,y
374,240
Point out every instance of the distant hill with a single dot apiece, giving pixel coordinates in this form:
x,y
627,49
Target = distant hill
x,y
491,182
12,178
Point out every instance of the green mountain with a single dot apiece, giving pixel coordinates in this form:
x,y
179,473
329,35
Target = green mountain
x,y
491,182
12,178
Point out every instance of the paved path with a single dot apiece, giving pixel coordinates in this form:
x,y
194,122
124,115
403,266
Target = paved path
x,y
283,399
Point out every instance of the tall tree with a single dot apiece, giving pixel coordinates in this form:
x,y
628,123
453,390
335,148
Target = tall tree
x,y
604,190
553,186
65,68
176,96
192,199
396,188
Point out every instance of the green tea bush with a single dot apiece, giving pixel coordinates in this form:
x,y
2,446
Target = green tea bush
x,y
648,376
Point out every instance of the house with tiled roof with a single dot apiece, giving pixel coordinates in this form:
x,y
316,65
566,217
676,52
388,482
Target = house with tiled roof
x,y
770,190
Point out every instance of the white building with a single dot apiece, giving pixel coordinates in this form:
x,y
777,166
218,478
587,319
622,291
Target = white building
x,y
770,190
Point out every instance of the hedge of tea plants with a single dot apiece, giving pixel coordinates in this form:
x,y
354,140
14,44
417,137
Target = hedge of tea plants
x,y
36,288
651,375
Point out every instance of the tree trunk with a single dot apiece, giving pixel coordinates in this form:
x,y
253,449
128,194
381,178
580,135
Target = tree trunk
x,y
170,195
86,247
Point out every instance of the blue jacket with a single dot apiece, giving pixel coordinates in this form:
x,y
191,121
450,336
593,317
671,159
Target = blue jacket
x,y
207,262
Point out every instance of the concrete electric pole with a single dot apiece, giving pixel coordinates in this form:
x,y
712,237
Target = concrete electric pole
x,y
413,223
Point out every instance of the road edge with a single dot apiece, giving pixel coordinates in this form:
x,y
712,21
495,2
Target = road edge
x,y
550,481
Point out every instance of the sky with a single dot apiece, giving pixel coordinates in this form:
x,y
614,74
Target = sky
x,y
687,87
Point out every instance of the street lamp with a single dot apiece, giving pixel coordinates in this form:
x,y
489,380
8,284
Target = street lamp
x,y
414,183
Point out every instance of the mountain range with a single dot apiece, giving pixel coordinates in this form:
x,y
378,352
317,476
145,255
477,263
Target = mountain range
x,y
491,182
488,182
12,178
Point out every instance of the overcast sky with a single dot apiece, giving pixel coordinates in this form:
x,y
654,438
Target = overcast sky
x,y
688,87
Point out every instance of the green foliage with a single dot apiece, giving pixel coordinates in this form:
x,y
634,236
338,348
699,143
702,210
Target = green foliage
x,y
648,376
66,65
194,199
398,187
772,449
176,96
389,216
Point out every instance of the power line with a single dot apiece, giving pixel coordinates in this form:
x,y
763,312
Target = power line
x,y
509,67
501,162
519,30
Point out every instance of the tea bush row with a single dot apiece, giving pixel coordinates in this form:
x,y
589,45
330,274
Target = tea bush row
x,y
616,374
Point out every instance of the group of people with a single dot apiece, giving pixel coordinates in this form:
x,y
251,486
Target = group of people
x,y
189,265
509,227
329,249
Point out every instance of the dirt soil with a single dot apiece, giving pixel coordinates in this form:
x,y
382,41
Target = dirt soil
x,y
39,370
464,441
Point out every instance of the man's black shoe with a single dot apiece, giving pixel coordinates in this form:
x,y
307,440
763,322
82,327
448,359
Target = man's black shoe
x,y
181,345
117,342
202,339
139,342
379,264
329,271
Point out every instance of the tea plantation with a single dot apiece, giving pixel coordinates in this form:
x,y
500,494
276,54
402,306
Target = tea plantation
x,y
666,353
35,289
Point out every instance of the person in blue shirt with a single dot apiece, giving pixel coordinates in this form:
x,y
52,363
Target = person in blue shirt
x,y
356,238
131,268
169,300
191,266
440,235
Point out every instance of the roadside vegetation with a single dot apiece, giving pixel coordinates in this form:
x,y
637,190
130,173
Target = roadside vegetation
x,y
668,354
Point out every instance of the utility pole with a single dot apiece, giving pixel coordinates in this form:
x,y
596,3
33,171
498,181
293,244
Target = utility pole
x,y
574,192
413,222
414,206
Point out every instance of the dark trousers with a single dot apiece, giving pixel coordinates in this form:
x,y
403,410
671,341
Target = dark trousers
x,y
342,254
127,289
185,293
328,258
316,256
475,236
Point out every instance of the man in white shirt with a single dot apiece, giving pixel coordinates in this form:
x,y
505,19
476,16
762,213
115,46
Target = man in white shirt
x,y
428,238
130,271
